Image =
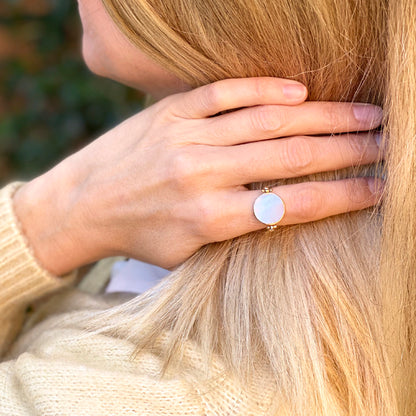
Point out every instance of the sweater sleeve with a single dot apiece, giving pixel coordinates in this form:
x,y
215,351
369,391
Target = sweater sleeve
x,y
22,279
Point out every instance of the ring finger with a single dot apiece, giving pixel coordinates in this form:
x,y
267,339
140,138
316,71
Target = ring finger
x,y
304,202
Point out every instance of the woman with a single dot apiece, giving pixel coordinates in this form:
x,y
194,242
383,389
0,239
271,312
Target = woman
x,y
289,321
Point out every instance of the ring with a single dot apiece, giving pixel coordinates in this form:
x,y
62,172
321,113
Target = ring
x,y
269,208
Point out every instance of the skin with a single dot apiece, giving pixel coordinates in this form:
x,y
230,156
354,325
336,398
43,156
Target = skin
x,y
170,179
108,53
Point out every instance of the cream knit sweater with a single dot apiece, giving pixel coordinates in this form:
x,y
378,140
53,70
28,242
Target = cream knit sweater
x,y
48,369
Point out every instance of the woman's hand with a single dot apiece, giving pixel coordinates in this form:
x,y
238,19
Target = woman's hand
x,y
170,179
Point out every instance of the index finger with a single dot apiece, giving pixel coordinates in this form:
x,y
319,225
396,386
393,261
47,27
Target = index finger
x,y
230,94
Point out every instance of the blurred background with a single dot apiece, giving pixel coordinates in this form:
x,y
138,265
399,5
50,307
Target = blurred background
x,y
50,104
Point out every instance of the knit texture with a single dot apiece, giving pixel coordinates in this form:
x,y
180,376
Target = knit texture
x,y
55,367
22,280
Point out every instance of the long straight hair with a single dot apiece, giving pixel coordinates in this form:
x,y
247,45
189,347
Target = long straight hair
x,y
324,311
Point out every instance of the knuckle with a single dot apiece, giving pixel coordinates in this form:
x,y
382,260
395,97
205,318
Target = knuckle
x,y
350,192
359,147
297,156
182,169
356,145
192,168
266,119
165,103
208,215
260,87
163,116
308,203
211,96
357,192
332,116
163,108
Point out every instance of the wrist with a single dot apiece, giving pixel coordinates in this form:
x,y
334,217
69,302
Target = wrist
x,y
49,221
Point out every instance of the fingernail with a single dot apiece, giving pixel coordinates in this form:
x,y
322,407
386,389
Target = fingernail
x,y
376,185
368,114
378,136
294,91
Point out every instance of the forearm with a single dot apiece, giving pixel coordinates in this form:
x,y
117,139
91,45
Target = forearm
x,y
22,279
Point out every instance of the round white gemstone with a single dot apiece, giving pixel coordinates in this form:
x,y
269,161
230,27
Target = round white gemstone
x,y
269,208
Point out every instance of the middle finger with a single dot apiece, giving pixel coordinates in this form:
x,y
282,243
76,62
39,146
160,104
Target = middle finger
x,y
273,121
297,156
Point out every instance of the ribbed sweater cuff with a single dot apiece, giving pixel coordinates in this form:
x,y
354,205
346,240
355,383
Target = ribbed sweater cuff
x,y
22,279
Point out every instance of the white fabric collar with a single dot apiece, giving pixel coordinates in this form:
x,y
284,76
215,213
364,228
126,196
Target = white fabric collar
x,y
134,276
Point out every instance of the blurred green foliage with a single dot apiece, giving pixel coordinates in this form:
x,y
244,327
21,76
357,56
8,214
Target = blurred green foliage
x,y
50,104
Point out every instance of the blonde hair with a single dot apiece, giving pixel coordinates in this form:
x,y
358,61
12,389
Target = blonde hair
x,y
325,310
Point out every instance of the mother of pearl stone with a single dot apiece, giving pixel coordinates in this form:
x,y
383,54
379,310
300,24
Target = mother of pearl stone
x,y
269,208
